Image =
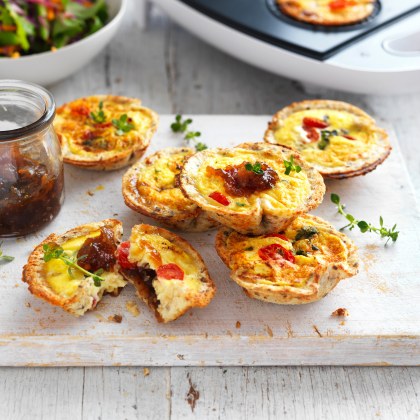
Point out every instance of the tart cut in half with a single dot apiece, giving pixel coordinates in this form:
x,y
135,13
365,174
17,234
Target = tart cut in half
x,y
104,132
299,265
328,12
93,248
254,188
338,139
151,187
167,272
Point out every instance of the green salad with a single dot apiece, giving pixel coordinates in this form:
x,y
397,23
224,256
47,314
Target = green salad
x,y
34,26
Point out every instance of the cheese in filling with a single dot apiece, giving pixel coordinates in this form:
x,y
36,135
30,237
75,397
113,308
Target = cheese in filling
x,y
340,151
289,193
61,282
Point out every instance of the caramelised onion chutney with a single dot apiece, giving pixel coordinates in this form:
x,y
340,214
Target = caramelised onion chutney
x,y
246,178
31,169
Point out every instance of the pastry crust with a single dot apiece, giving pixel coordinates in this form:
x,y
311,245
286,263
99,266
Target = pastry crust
x,y
328,12
307,279
261,212
150,187
177,296
99,146
343,158
87,295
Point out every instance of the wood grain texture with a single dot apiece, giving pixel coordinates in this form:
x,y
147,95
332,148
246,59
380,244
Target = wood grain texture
x,y
153,74
381,328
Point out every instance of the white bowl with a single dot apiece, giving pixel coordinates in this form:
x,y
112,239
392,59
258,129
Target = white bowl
x,y
49,67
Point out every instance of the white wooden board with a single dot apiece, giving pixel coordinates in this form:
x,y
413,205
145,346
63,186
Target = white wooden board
x,y
383,300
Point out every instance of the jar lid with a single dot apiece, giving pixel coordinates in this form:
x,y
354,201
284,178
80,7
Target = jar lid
x,y
28,108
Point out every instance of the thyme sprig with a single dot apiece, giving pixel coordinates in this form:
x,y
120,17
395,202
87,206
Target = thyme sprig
x,y
56,252
99,117
5,258
123,125
291,166
181,126
383,231
256,168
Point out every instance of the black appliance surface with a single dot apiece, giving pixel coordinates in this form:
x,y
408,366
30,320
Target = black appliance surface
x,y
263,20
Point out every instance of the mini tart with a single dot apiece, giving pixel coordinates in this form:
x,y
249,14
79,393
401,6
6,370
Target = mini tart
x,y
150,187
328,12
51,280
261,211
355,145
167,272
99,145
270,268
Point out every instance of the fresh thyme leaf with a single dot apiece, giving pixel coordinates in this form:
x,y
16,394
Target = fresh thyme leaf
x,y
256,168
306,232
5,258
300,252
200,146
290,166
56,252
240,204
99,117
325,138
123,125
250,248
383,231
180,126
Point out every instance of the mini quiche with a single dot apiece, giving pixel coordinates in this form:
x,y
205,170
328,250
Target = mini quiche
x,y
251,188
328,12
104,132
338,139
93,247
167,272
299,265
151,187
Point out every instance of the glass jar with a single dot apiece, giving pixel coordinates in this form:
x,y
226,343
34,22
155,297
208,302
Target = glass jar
x,y
31,166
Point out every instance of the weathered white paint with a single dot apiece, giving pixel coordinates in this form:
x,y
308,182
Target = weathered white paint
x,y
172,71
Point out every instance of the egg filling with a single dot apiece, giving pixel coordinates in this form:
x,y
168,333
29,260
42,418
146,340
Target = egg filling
x,y
157,181
163,272
67,281
328,138
90,126
246,188
290,258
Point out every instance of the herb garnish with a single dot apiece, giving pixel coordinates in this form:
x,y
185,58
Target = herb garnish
x,y
99,117
56,252
123,125
300,252
180,126
290,166
256,168
240,204
5,258
306,233
325,138
364,226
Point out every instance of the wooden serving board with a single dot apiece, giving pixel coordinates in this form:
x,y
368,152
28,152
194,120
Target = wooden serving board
x,y
383,299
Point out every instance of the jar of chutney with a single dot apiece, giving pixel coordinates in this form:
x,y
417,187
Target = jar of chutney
x,y
31,166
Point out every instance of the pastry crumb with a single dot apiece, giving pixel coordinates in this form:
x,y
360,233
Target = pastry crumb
x,y
340,312
90,193
238,324
132,308
146,371
115,318
27,304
